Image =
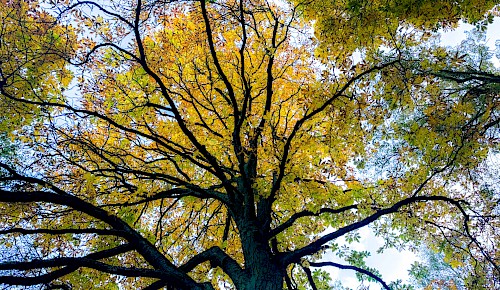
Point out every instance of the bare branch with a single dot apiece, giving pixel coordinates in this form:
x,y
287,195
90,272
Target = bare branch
x,y
349,267
306,213
102,232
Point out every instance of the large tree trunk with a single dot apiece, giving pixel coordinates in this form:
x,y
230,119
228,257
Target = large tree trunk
x,y
268,277
263,268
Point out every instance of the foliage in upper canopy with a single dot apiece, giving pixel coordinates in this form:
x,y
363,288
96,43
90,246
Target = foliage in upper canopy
x,y
346,25
200,126
211,112
33,49
447,123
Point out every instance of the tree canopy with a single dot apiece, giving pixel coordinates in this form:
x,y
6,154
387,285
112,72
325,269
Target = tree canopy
x,y
229,144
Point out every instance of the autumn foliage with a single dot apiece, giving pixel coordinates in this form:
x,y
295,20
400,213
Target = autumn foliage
x,y
229,144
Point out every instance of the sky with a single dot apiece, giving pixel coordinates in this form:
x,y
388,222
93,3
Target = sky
x,y
394,264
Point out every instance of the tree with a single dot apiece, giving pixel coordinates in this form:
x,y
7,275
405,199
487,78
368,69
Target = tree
x,y
200,145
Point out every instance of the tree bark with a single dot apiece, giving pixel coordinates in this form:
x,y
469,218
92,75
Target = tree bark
x,y
264,269
267,277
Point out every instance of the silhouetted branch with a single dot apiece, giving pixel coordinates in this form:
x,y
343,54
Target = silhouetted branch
x,y
349,267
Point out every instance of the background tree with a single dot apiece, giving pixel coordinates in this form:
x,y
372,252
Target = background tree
x,y
198,145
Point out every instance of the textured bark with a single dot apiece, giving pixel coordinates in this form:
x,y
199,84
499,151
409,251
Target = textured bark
x,y
264,269
267,277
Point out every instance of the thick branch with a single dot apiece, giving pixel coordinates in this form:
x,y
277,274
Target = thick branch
x,y
217,258
58,196
465,76
81,262
46,278
74,264
307,213
294,257
175,193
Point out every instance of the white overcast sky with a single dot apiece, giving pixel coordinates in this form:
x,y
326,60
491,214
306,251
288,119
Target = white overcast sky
x,y
392,264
